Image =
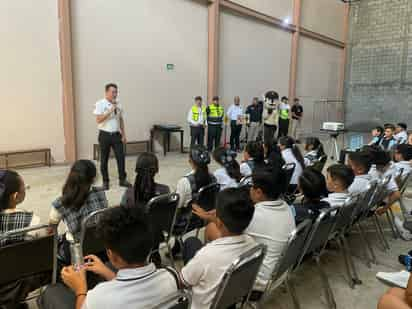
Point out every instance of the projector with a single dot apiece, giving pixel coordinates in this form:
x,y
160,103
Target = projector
x,y
333,126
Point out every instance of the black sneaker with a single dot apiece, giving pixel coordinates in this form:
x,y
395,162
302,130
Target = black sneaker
x,y
124,183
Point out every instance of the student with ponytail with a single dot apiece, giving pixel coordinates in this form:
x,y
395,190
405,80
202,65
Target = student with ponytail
x,y
145,186
291,154
228,176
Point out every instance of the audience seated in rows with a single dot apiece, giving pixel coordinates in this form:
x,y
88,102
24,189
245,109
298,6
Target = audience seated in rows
x,y
360,162
291,154
339,177
228,175
314,151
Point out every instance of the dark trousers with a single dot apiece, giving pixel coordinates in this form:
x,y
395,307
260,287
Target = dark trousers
x,y
235,130
197,135
108,141
57,296
283,127
214,134
269,134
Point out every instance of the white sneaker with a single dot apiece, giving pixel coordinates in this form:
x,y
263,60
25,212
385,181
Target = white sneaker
x,y
404,233
399,279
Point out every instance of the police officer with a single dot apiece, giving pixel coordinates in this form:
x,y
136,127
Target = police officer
x,y
215,114
284,109
197,120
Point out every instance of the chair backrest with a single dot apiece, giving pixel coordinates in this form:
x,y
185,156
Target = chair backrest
x,y
320,163
402,180
293,250
162,211
243,270
182,299
346,214
90,243
288,169
319,235
381,191
206,196
29,257
246,181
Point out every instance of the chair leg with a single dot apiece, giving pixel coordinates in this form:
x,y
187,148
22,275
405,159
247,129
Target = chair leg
x,y
368,246
380,232
345,258
391,220
292,292
169,249
328,290
346,247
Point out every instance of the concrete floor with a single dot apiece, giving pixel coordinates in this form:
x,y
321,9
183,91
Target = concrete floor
x,y
46,183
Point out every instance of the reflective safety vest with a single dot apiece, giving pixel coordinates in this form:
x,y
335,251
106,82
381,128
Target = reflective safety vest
x,y
196,113
215,114
284,114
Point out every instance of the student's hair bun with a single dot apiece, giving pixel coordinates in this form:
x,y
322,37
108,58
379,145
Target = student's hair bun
x,y
200,155
228,156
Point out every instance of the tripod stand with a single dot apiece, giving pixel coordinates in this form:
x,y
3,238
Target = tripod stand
x,y
332,143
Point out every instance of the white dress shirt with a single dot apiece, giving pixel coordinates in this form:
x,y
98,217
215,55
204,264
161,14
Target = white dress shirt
x,y
289,157
336,199
224,180
200,121
112,123
235,112
184,190
378,175
245,169
272,224
360,184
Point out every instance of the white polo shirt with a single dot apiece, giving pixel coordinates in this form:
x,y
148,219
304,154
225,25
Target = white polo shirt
x,y
112,123
132,288
235,112
245,169
288,156
205,271
401,137
272,224
378,175
336,199
224,180
360,184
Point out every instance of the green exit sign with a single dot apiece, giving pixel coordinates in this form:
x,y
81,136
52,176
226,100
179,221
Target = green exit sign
x,y
170,66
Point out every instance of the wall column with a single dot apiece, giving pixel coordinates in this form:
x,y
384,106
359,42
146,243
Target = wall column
x,y
294,52
213,49
65,41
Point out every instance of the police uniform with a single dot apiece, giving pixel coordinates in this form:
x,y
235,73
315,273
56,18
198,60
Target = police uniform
x,y
283,119
215,114
197,119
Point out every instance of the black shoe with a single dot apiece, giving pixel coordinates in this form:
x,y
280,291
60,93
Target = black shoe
x,y
104,187
124,183
405,259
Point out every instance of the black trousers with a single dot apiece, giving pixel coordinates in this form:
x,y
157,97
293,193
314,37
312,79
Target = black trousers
x,y
235,130
108,141
214,133
269,132
283,127
197,135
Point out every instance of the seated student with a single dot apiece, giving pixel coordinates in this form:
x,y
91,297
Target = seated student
x,y
292,154
199,177
403,157
388,141
360,162
145,186
275,162
253,158
410,139
127,237
205,266
401,135
312,185
339,177
314,150
79,199
397,298
228,176
377,134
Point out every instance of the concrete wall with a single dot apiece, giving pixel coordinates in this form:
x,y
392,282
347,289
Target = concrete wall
x,y
379,74
276,8
133,51
31,104
250,67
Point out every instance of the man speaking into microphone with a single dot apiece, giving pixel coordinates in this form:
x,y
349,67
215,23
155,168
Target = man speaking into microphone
x,y
109,117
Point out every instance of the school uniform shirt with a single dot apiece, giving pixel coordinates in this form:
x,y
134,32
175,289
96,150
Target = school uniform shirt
x,y
360,184
245,169
112,123
388,144
272,224
235,112
404,166
15,219
336,199
132,288
205,271
288,156
184,190
378,175
224,180
310,157
401,137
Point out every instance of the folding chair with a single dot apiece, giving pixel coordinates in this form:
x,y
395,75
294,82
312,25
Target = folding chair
x,y
162,212
246,181
316,243
89,242
288,170
320,163
243,270
20,254
180,300
287,262
402,180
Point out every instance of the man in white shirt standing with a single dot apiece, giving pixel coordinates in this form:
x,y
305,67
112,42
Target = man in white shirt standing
x,y
235,115
109,118
197,121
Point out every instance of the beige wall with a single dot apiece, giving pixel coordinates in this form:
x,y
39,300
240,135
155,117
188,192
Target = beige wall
x,y
130,44
249,67
31,108
324,16
276,8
